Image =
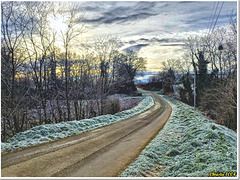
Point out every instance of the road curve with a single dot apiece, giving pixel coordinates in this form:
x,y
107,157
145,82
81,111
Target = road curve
x,y
104,152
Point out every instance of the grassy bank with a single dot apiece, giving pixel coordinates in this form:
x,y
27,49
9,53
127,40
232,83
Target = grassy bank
x,y
50,132
189,145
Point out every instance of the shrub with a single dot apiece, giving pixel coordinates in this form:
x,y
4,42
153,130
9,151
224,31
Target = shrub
x,y
112,106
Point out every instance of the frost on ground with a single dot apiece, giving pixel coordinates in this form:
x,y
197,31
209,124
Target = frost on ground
x,y
50,132
127,103
189,145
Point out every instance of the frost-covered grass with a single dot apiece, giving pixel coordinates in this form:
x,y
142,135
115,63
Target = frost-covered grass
x,y
189,145
50,132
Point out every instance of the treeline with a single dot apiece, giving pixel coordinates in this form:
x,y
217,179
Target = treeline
x,y
49,75
213,59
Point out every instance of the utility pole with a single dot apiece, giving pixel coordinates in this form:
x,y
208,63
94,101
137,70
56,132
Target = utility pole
x,y
194,90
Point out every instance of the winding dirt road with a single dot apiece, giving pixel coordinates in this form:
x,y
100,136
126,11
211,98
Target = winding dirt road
x,y
104,152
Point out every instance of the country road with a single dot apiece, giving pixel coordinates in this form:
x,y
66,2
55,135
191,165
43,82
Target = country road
x,y
103,152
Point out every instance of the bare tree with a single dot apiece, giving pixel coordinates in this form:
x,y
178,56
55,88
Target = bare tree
x,y
38,42
219,90
44,77
13,25
220,102
68,35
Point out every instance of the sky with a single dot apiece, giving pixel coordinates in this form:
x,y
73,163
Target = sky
x,y
156,30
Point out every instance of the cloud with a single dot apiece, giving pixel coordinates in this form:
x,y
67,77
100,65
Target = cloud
x,y
135,48
119,12
154,39
144,39
108,18
158,29
173,44
132,42
158,41
143,18
185,2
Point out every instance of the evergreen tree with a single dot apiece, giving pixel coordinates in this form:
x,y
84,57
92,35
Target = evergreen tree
x,y
203,79
169,82
186,93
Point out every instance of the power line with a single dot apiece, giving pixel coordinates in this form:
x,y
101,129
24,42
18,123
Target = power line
x,y
217,17
213,19
211,16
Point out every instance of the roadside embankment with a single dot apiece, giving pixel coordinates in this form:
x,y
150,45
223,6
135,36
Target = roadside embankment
x,y
49,132
189,145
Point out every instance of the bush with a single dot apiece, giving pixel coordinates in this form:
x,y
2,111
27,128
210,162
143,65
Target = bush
x,y
112,106
221,99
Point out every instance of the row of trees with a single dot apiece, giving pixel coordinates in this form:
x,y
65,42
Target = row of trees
x,y
213,59
49,75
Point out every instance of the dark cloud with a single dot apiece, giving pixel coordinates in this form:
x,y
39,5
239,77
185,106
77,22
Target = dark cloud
x,y
129,18
90,8
186,2
159,40
135,48
145,6
132,42
109,18
152,40
173,44
144,39
181,16
120,13
163,40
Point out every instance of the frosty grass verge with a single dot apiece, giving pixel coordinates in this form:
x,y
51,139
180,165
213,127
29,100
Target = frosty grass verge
x,y
49,132
189,145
